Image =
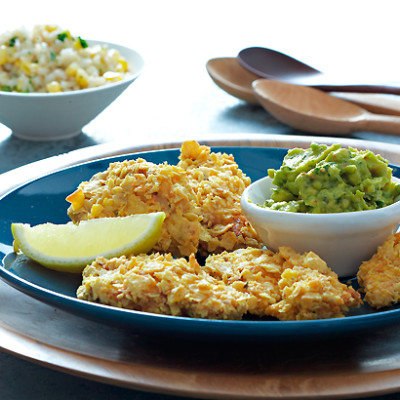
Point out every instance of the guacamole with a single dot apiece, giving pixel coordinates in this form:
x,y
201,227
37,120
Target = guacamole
x,y
332,179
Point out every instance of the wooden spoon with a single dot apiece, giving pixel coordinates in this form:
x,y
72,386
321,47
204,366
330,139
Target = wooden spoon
x,y
230,76
271,64
313,110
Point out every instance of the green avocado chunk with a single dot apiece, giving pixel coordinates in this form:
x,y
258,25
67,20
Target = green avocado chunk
x,y
332,179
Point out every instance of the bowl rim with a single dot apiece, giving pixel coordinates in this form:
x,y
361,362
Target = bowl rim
x,y
300,217
129,78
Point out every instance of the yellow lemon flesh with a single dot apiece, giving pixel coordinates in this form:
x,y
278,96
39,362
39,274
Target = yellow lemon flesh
x,y
70,247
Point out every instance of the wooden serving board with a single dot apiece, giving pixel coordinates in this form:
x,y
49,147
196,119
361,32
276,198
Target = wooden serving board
x,y
343,367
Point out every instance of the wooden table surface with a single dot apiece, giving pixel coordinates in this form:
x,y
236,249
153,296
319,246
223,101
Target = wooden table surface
x,y
172,101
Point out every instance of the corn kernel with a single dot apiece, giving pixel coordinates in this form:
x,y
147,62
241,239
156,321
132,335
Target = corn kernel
x,y
96,210
53,87
78,44
72,69
76,199
82,78
112,76
25,68
51,28
3,55
122,66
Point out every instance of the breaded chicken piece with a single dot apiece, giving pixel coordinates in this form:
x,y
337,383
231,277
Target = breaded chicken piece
x,y
161,284
286,285
311,290
218,183
379,277
200,197
308,294
138,186
253,271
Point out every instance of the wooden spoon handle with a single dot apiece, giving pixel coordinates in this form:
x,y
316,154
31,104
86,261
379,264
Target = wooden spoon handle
x,y
376,103
387,89
381,123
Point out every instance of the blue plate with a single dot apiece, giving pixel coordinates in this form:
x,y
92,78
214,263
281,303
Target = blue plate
x,y
43,200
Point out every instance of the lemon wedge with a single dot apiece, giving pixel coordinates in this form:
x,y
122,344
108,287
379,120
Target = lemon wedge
x,y
70,247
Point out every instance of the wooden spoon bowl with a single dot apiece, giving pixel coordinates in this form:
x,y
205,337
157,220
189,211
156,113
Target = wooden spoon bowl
x,y
231,77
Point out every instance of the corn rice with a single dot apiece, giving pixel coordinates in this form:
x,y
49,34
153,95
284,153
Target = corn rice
x,y
49,59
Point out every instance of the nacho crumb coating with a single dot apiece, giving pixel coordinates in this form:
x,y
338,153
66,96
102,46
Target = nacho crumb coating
x,y
158,283
286,285
253,271
311,290
379,277
218,183
249,281
308,294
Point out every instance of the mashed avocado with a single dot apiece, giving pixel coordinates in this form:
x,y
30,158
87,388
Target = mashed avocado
x,y
332,179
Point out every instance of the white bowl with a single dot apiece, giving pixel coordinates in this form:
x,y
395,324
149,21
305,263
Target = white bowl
x,y
343,240
53,116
